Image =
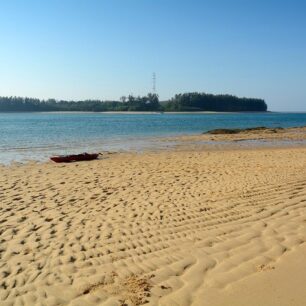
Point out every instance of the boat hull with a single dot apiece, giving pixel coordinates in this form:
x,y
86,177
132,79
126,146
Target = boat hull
x,y
74,157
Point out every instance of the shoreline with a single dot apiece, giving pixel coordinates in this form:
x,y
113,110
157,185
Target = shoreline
x,y
134,112
154,112
269,138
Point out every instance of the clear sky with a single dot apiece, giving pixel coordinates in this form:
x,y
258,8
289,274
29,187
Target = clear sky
x,y
81,49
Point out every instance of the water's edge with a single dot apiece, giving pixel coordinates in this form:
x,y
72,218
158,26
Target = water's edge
x,y
36,136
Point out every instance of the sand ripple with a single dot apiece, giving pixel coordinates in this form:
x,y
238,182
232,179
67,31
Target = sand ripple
x,y
167,228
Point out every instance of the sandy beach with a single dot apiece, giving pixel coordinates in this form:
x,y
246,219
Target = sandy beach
x,y
178,227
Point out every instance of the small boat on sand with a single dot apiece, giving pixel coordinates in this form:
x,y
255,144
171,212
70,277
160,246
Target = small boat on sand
x,y
74,157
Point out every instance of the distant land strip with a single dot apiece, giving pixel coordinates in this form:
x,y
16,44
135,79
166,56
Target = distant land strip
x,y
187,102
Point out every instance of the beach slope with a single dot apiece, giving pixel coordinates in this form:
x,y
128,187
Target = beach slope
x,y
186,227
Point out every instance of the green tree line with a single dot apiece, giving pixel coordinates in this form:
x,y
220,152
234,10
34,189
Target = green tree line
x,y
219,103
181,102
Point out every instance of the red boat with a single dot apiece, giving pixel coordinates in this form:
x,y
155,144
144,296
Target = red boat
x,y
74,157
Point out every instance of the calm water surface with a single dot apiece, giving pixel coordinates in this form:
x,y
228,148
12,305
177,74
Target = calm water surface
x,y
36,136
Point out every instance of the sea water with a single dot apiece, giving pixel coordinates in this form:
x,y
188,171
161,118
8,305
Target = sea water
x,y
36,136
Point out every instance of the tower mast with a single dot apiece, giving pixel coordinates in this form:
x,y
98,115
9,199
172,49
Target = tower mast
x,y
154,83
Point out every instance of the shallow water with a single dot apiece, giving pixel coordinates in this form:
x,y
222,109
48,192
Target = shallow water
x,y
36,136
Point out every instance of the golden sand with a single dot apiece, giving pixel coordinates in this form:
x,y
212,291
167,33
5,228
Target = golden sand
x,y
189,227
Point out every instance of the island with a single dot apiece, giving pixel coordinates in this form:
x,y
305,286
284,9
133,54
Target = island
x,y
186,102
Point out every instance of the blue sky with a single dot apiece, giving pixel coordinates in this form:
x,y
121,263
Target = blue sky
x,y
86,49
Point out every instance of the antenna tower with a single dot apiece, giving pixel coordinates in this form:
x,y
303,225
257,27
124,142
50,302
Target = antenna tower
x,y
154,83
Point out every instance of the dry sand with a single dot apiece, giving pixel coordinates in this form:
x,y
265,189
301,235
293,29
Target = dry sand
x,y
188,227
